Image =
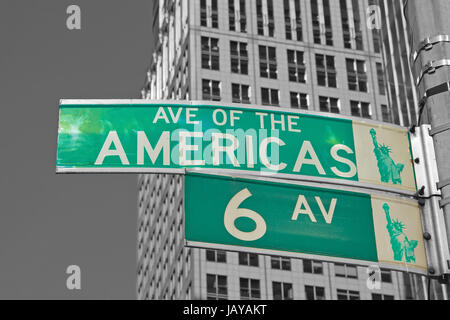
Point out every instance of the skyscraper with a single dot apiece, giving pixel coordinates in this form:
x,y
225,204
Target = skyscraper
x,y
402,97
314,55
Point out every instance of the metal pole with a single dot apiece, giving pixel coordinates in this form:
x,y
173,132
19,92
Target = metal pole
x,y
444,292
429,37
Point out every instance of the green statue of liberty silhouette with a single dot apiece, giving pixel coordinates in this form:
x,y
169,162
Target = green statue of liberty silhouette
x,y
389,170
401,245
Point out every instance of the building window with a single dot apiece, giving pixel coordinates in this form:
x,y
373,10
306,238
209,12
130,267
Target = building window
x,y
280,263
380,77
265,18
351,29
326,71
259,17
237,14
296,66
346,271
299,100
269,97
248,259
314,293
386,276
327,104
287,20
327,19
216,256
347,295
379,296
210,53
211,90
216,287
240,93
293,20
346,25
282,291
242,16
316,21
239,57
361,109
376,36
268,62
311,266
322,31
213,14
203,13
356,75
386,113
357,25
250,288
231,15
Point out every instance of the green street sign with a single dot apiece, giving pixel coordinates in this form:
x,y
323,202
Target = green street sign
x,y
168,137
271,217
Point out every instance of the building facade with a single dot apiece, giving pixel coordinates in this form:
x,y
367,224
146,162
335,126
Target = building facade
x,y
314,55
400,89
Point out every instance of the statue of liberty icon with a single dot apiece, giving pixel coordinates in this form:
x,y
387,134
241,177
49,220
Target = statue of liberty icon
x,y
400,244
389,170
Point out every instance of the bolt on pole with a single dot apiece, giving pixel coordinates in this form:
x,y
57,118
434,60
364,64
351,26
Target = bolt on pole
x,y
429,38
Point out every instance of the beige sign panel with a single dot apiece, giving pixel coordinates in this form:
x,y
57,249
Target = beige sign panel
x,y
384,156
398,232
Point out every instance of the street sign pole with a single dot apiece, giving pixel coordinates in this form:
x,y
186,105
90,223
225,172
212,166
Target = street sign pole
x,y
429,34
432,217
